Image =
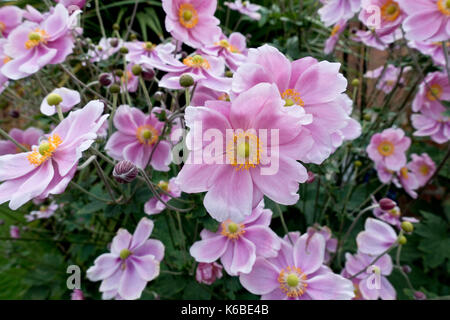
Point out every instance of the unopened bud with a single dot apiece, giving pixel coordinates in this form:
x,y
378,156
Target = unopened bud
x,y
136,69
407,226
133,37
406,269
387,204
358,163
105,79
402,240
114,42
419,295
125,171
116,26
355,82
53,99
115,88
229,74
118,72
14,114
158,95
311,177
148,74
186,81
123,50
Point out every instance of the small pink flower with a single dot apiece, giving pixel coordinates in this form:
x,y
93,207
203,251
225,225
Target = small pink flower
x,y
388,148
384,174
245,7
104,49
331,42
435,87
154,206
44,212
203,94
423,167
372,283
389,77
14,232
70,98
134,260
192,21
51,165
376,238
238,244
10,18
427,20
150,55
391,14
432,123
330,242
77,294
335,10
67,3
392,216
26,138
378,38
34,45
137,137
208,273
432,49
233,50
408,181
297,273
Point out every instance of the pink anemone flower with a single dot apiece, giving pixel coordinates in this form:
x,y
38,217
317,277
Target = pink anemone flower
x,y
203,94
27,138
104,50
192,21
67,3
330,242
391,14
51,165
392,216
133,261
44,212
254,151
372,283
154,205
376,238
389,147
433,123
408,181
32,46
297,273
427,20
423,167
238,244
432,90
378,38
10,18
70,98
151,55
136,139
301,85
337,30
432,49
245,7
389,77
335,10
208,273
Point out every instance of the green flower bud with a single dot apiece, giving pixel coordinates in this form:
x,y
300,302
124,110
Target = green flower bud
x,y
402,240
115,88
123,50
407,226
54,99
186,81
116,27
358,163
136,69
355,82
229,74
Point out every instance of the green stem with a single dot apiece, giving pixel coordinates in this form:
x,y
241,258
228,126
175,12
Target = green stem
x,y
99,16
60,113
8,137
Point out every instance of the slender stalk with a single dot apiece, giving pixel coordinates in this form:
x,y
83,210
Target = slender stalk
x,y
8,137
374,261
105,181
76,185
100,21
283,223
447,63
146,95
60,113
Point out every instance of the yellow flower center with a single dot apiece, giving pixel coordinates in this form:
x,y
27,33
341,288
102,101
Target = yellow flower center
x,y
444,6
125,253
126,77
390,10
232,230
188,16
244,151
6,59
196,61
424,170
404,172
43,208
224,97
164,185
292,281
148,46
45,150
2,27
35,38
335,30
395,212
386,148
292,97
146,134
435,92
225,44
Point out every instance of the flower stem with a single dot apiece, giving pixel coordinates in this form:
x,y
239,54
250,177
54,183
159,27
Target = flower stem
x,y
60,113
8,137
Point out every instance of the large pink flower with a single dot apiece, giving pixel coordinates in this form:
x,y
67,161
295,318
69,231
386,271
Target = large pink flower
x,y
51,165
192,21
428,20
26,138
137,137
297,272
335,10
254,153
372,283
10,18
376,238
315,87
389,147
33,45
238,244
134,260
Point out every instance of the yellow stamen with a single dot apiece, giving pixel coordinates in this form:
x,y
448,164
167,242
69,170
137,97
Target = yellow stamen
x,y
146,134
188,16
292,97
148,46
6,59
35,38
390,10
335,30
404,172
45,150
232,230
2,27
292,281
196,61
444,6
164,185
224,97
386,148
244,151
225,44
435,92
424,170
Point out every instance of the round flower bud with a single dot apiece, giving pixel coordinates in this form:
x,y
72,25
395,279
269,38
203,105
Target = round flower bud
x,y
367,117
229,74
133,37
402,240
123,50
419,295
358,163
311,177
105,79
116,26
406,269
115,88
387,204
136,69
148,74
114,42
14,114
118,72
158,95
355,82
407,226
186,81
125,171
54,99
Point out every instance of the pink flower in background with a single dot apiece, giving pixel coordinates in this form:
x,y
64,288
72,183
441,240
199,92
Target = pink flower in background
x,y
389,77
136,138
67,3
408,181
51,165
238,244
432,49
330,242
203,94
26,138
206,70
378,38
154,205
44,212
32,14
208,273
70,98
14,232
245,7
77,294
301,85
351,131
392,216
435,87
384,174
10,18
237,179
192,21
376,238
151,55
389,147
331,42
335,10
3,60
423,167
427,20
391,14
372,283
297,272
233,50
105,49
33,45
134,260
432,123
